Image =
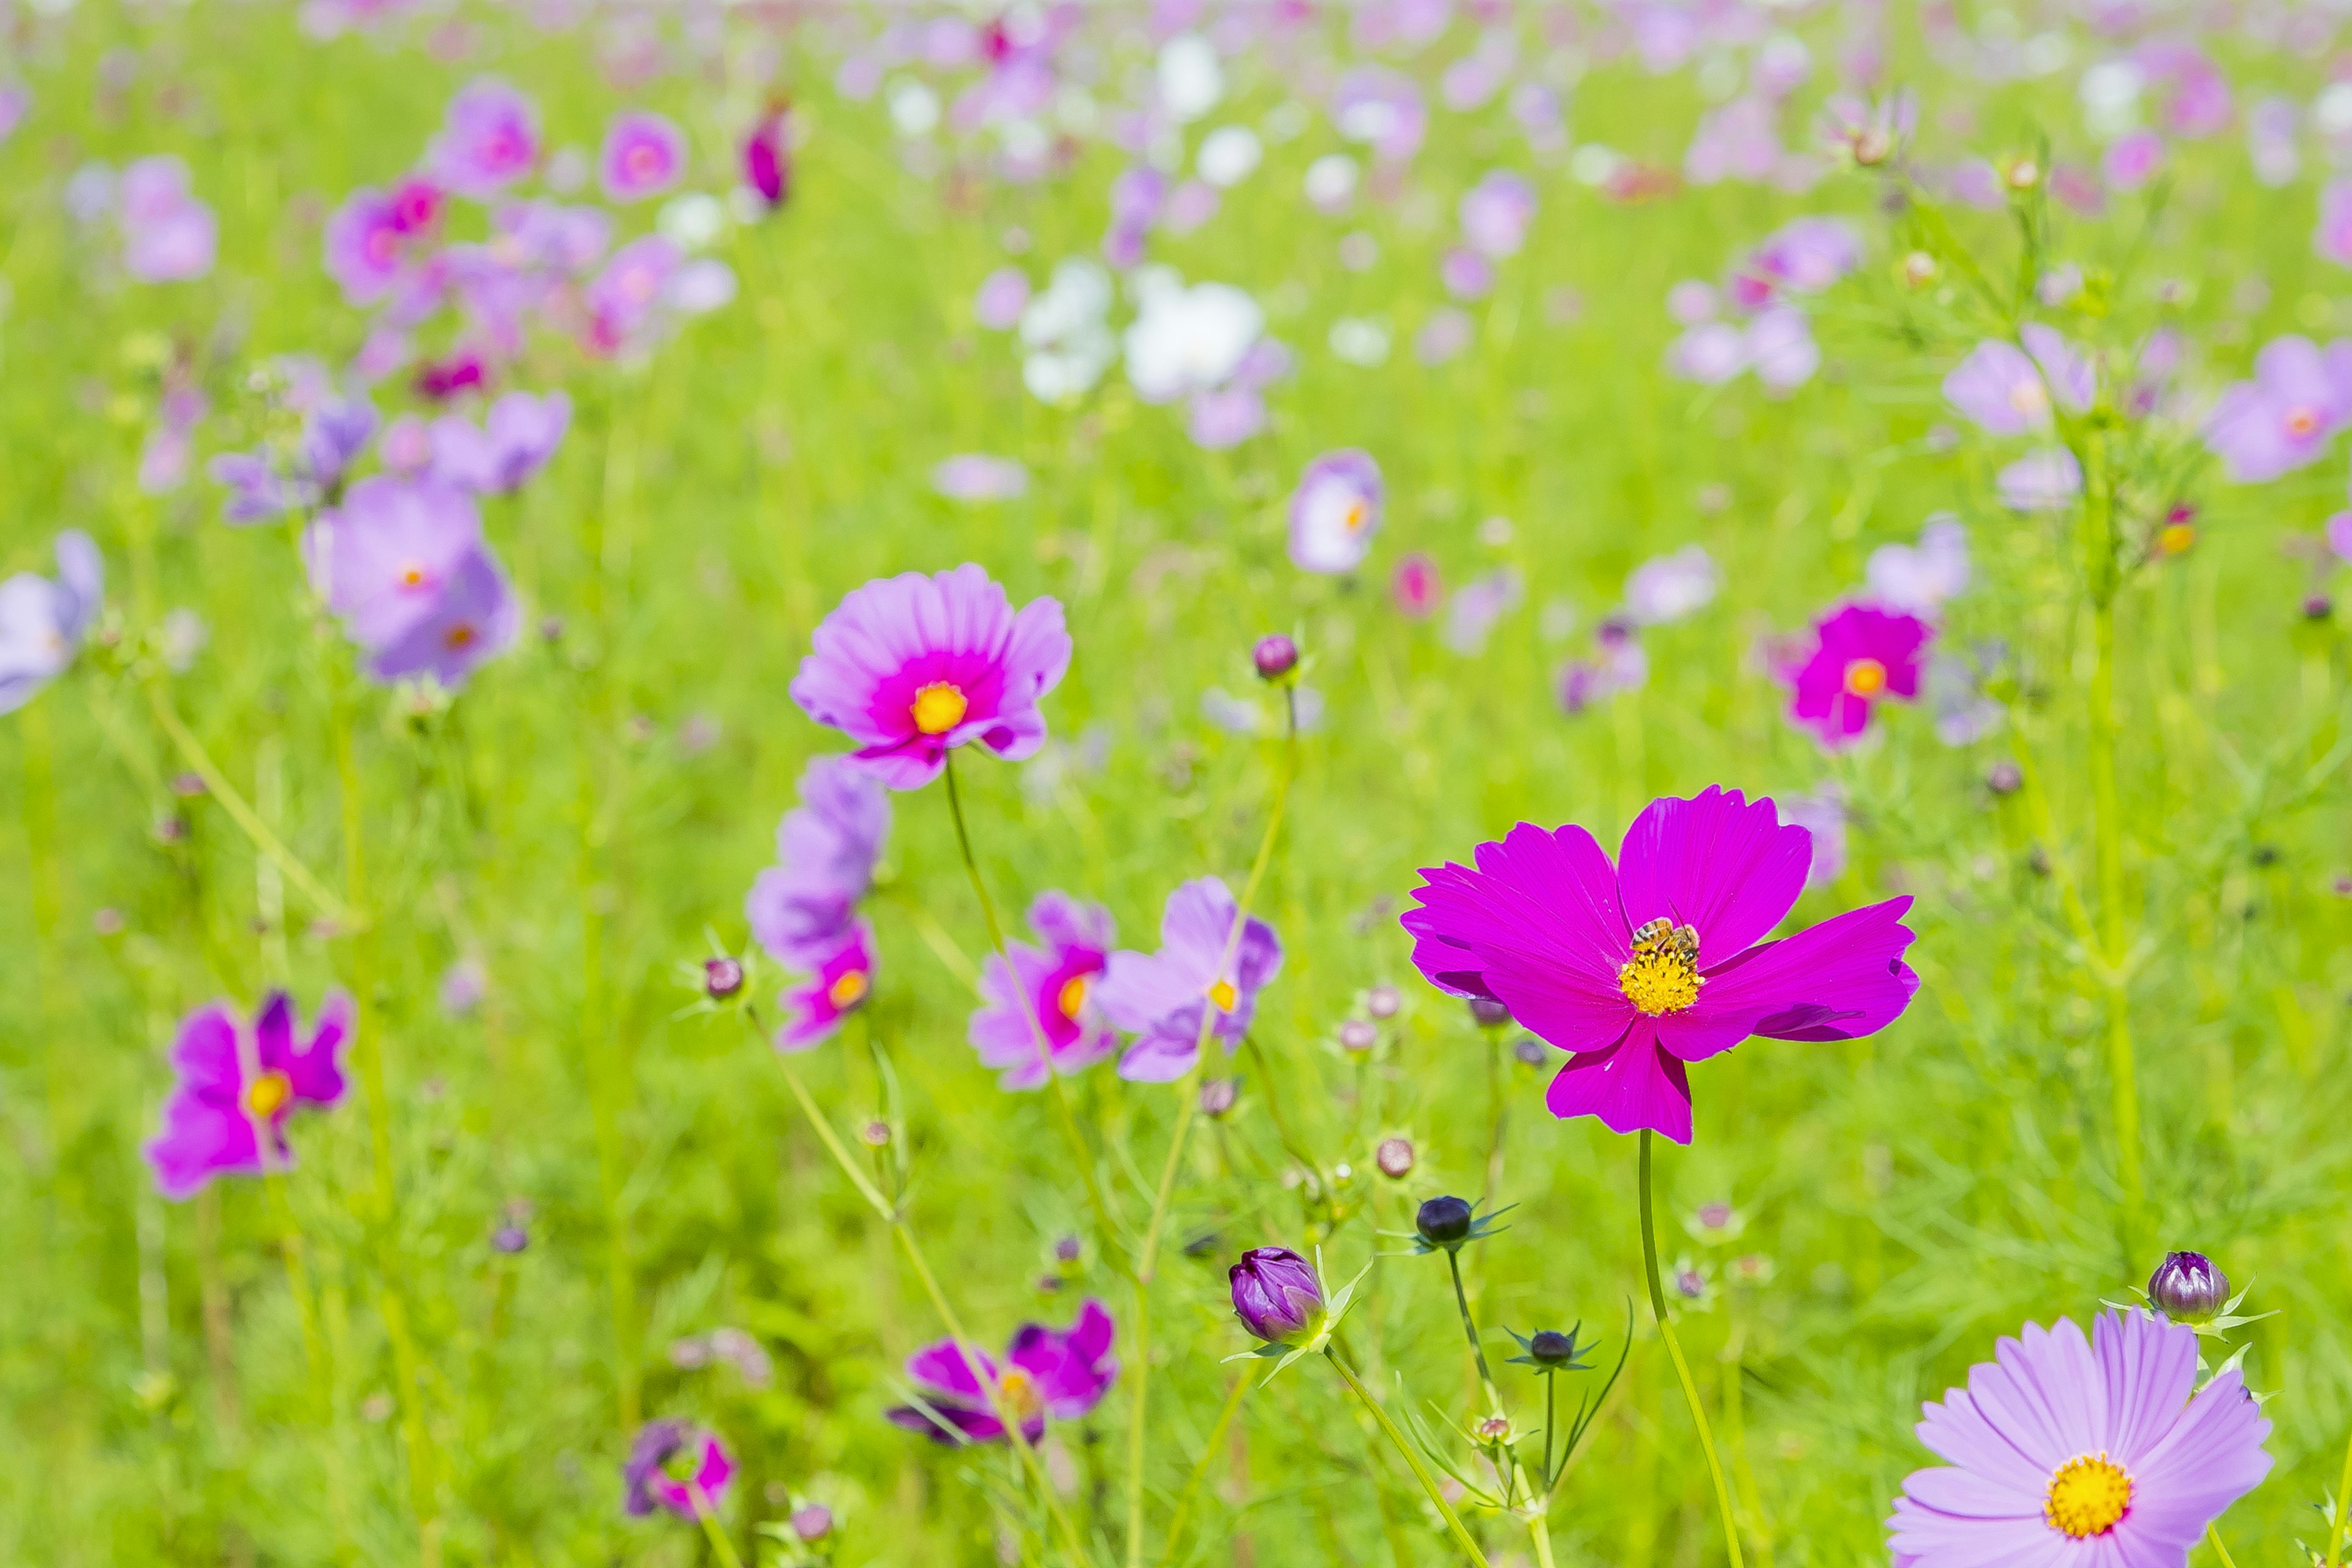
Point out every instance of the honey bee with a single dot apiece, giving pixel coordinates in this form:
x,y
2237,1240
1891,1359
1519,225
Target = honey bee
x,y
1662,934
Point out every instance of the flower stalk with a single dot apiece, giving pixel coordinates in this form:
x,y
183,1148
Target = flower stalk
x,y
1682,1367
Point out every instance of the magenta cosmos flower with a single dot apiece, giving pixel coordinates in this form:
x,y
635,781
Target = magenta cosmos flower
x,y
644,155
843,979
1049,988
236,1082
489,139
1161,998
1861,654
1046,1374
2068,1453
1639,969
910,667
662,1449
1334,511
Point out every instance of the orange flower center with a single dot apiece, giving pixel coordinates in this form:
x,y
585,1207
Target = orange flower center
x,y
2177,538
1355,517
2302,421
1662,976
266,1095
1865,677
1224,995
412,576
849,990
2087,1495
1019,1393
1072,996
460,635
938,707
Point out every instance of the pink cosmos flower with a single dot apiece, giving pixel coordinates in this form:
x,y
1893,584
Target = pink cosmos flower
x,y
767,159
2300,397
1160,997
1861,654
234,1083
1050,988
844,979
2046,481
2071,1453
2334,238
2008,390
169,236
1496,212
644,155
1414,587
910,667
1334,511
1639,969
651,1485
489,141
1046,1374
2134,160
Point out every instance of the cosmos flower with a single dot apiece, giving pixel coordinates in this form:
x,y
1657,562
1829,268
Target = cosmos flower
x,y
767,159
376,237
473,618
977,477
2008,390
643,154
802,908
1414,587
1641,968
233,1082
1919,578
1496,212
1066,337
1185,341
43,621
653,1487
488,139
168,235
2045,480
1669,588
912,666
843,979
1050,987
516,436
1334,511
1861,654
381,558
2300,397
1056,1374
2070,1451
1161,998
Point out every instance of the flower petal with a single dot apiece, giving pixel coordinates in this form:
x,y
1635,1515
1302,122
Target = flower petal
x,y
1717,862
1630,1085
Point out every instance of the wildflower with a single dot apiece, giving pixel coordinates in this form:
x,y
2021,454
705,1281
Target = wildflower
x,y
2007,391
811,1522
488,139
2004,777
644,155
1861,655
1003,296
1164,997
168,235
509,1240
514,441
474,618
1066,333
1056,1375
43,621
1049,990
826,849
976,477
1918,578
1275,656
722,977
1413,586
1641,968
2339,536
1470,618
1277,1295
653,1486
2189,1288
2300,397
1334,511
1383,109
843,979
1394,1157
1495,214
766,159
402,562
2045,480
1867,133
2063,1447
911,666
234,1083
1548,1350
375,239
1668,588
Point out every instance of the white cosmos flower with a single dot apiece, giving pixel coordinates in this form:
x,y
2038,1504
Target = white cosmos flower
x,y
1066,332
1191,77
1228,155
1189,340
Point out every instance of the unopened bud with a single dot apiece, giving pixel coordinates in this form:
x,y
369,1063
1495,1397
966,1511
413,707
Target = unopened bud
x,y
1217,1097
1529,1051
2004,777
722,978
1443,1222
1275,656
874,1134
1494,1429
509,1240
1357,1034
812,1523
1487,1012
2189,1288
1919,269
1383,1001
1394,1157
2317,608
1550,1347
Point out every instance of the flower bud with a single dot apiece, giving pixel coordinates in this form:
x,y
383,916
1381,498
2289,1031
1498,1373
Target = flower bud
x,y
2317,608
1487,1012
1275,656
1358,1035
1068,1249
874,1134
1529,1051
1550,1348
1383,1001
1217,1097
1277,1295
2004,777
2189,1288
1494,1429
812,1521
722,978
1443,1222
509,1240
1394,1157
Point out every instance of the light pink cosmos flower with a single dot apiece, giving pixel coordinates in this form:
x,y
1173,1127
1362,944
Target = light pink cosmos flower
x,y
1049,988
489,141
643,154
2008,390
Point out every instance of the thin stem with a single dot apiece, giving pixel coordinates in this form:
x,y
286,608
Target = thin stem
x,y
1291,1145
1470,1333
711,1527
2213,1540
1682,1368
1508,1464
1413,1461
1183,1513
2339,1532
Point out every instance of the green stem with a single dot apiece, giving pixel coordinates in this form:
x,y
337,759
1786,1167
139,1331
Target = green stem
x,y
1185,1499
1682,1368
1413,1461
2214,1538
711,1527
2342,1529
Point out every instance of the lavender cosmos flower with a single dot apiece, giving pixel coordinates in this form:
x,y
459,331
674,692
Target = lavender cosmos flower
x,y
977,477
514,441
168,235
651,1486
1056,1374
234,1083
1277,1295
802,908
382,558
1861,654
473,618
488,139
1642,968
643,154
910,667
1495,214
2300,397
42,622
1334,511
2008,390
2070,1451
2046,481
1668,588
625,299
1161,997
1919,578
844,978
1049,988
377,238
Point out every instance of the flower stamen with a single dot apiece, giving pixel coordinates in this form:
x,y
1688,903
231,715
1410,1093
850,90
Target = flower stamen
x,y
1662,974
1072,998
266,1094
1865,679
1224,995
938,707
847,990
2087,1495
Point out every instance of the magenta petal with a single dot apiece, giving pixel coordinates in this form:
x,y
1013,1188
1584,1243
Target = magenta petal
x,y
1548,900
1840,980
943,1368
1631,1086
1717,862
317,1074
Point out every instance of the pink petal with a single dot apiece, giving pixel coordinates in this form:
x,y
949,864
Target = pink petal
x,y
1631,1086
1717,862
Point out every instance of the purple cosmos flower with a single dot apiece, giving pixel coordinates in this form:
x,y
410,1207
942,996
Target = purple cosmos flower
x,y
976,477
843,979
42,622
2045,480
370,244
382,558
644,155
2134,159
472,618
1334,511
168,235
1056,1374
1467,276
1375,105
233,1082
1161,998
1277,1295
1807,255
626,297
488,139
163,456
2008,390
1003,296
2300,397
1778,347
1471,616
653,1487
1919,578
2068,1451
1861,654
767,159
1641,968
1709,353
910,667
514,441
1496,212
1668,588
1050,988
802,908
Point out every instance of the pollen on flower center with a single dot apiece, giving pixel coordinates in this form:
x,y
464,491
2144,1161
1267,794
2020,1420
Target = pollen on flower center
x,y
1224,994
847,990
2087,1495
2028,397
264,1094
938,707
412,576
460,635
1865,677
2302,421
1354,518
1663,976
1072,995
1018,1390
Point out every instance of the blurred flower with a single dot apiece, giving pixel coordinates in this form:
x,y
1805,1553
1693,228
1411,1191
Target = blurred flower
x,y
643,154
1277,1295
722,978
1542,926
1920,578
976,477
844,978
1383,109
1413,586
1496,212
2102,1446
912,666
168,235
651,1486
2006,393
232,1083
800,909
514,441
1331,181
463,985
44,620
1228,155
1165,998
488,139
766,158
1049,989
1275,656
1471,614
1861,655
1334,511
1956,701
1188,340
1066,333
1823,817
384,558
1669,588
2046,481
1056,1374
2133,160
1003,296
2189,1288
2300,397
473,618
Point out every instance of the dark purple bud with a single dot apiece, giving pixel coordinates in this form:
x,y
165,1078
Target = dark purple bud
x,y
722,978
1277,1295
2004,777
1068,1249
1550,1347
509,1240
1442,1221
1217,1096
1383,1001
812,1521
1530,1051
1275,656
2189,1288
1394,1157
2317,608
1357,1034
1487,1012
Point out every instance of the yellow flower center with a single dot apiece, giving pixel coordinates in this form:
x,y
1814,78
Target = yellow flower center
x,y
1072,995
460,635
1017,1391
1224,994
1663,976
2087,1494
2029,399
2177,538
1354,517
412,576
939,708
849,990
2302,421
264,1094
1865,677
